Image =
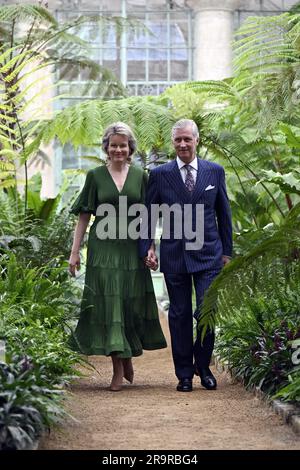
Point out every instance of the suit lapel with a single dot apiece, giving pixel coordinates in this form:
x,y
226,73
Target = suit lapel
x,y
175,181
203,177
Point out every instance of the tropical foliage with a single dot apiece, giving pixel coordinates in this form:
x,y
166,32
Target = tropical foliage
x,y
33,48
35,310
260,326
250,123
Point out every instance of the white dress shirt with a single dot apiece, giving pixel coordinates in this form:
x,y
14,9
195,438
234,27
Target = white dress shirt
x,y
183,171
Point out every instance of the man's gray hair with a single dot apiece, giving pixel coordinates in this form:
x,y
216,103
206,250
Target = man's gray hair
x,y
183,123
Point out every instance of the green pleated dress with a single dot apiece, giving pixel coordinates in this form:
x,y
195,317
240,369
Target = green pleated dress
x,y
118,311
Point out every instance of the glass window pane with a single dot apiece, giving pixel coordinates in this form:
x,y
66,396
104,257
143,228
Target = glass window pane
x,y
136,54
109,36
179,70
70,157
289,4
159,54
112,60
136,69
158,69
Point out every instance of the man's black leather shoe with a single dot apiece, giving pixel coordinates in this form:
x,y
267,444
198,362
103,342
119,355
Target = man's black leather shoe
x,y
208,381
185,385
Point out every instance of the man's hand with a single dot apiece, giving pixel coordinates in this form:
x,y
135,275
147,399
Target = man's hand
x,y
225,259
151,260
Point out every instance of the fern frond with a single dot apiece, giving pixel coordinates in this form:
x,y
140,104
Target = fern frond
x,y
83,124
8,182
264,40
9,155
278,245
21,12
91,158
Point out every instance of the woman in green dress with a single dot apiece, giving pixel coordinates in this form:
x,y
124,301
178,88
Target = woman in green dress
x,y
119,316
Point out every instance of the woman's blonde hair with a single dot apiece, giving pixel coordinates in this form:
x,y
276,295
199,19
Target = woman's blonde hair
x,y
122,129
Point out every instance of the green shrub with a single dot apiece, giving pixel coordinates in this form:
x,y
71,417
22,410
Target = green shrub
x,y
256,339
28,404
291,392
36,305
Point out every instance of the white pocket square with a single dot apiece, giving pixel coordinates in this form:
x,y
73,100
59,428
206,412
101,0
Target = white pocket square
x,y
209,187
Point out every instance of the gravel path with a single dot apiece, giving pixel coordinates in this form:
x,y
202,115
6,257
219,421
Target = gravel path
x,y
151,414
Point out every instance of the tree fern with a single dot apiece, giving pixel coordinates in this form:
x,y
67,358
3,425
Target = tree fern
x,y
9,13
276,249
84,123
242,118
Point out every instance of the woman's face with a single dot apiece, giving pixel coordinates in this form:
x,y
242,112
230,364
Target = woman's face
x,y
118,148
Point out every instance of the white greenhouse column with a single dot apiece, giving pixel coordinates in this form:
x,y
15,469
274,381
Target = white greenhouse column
x,y
45,92
213,25
40,106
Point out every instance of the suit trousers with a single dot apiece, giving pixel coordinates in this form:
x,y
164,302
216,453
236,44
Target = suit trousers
x,y
185,349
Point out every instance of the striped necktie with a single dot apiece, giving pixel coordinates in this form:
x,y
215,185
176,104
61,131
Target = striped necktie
x,y
189,179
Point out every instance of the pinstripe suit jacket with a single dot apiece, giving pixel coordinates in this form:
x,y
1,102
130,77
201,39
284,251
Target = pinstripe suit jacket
x,y
166,186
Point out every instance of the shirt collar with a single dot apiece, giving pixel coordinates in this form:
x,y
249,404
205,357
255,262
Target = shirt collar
x,y
193,163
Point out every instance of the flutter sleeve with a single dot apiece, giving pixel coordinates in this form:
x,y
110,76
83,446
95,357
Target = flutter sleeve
x,y
87,199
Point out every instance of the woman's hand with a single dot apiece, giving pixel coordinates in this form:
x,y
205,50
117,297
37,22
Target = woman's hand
x,y
80,229
74,263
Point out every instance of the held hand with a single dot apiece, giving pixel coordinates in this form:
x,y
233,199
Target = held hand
x,y
154,265
74,263
225,259
151,260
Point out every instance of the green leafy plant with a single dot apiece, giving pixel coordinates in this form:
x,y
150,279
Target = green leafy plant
x,y
290,392
83,123
27,404
36,306
44,238
256,339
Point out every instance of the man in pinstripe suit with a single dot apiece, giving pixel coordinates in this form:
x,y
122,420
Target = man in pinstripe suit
x,y
190,181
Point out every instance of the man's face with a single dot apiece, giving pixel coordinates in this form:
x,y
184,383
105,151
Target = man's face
x,y
185,144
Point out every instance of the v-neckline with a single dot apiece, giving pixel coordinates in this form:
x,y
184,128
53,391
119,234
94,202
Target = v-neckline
x,y
119,191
